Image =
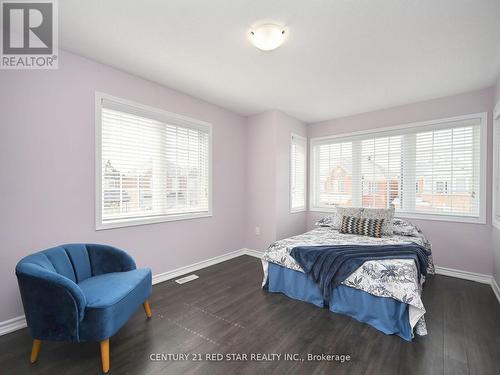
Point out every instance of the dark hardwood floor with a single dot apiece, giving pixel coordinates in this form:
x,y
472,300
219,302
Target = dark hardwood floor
x,y
225,311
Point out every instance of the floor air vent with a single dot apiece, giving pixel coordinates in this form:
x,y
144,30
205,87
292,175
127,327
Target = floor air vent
x,y
186,279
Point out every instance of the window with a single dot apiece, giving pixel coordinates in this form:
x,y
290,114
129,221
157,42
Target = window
x,y
441,187
433,170
381,171
338,186
298,152
151,166
496,167
333,173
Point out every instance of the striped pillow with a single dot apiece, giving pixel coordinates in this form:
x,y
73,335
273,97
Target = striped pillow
x,y
362,226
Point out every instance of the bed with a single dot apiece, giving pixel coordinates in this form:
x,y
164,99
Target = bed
x,y
384,293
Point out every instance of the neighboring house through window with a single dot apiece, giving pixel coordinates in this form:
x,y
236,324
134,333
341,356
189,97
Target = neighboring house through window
x,y
429,170
152,166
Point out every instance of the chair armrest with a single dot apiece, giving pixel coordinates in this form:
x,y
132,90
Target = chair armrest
x,y
107,259
54,305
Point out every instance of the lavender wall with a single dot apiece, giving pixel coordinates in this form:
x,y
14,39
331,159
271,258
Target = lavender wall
x,y
269,178
461,246
261,168
47,184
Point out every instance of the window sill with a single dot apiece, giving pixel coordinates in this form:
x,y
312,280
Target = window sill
x,y
297,210
322,209
431,217
151,220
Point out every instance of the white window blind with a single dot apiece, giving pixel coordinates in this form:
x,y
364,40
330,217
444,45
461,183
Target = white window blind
x,y
333,174
298,152
428,169
154,166
381,177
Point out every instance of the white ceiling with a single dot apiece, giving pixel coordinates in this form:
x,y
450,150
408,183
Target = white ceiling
x,y
341,56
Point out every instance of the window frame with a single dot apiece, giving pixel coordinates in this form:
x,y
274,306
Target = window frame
x,y
495,220
483,155
304,140
161,115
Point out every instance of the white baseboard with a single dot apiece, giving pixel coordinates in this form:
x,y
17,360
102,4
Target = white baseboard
x,y
253,253
169,275
466,275
19,322
164,276
11,325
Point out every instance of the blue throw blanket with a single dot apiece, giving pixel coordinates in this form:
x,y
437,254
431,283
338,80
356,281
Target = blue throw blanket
x,y
329,265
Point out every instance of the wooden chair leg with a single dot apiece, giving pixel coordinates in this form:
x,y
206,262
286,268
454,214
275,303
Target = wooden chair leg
x,y
147,309
105,355
35,350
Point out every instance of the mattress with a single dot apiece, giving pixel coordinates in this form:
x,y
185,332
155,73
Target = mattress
x,y
393,278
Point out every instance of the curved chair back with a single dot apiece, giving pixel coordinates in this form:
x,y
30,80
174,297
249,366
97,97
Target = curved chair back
x,y
71,261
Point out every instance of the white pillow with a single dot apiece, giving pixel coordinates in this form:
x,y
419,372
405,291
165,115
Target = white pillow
x,y
329,221
349,211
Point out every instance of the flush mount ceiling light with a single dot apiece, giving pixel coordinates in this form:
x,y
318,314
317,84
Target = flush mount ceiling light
x,y
267,37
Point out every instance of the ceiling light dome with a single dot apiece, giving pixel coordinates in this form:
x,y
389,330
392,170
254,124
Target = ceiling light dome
x,y
268,36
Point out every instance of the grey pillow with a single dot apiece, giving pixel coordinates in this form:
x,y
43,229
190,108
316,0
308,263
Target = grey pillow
x,y
349,211
381,213
334,220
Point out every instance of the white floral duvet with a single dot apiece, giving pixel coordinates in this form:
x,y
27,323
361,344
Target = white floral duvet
x,y
394,278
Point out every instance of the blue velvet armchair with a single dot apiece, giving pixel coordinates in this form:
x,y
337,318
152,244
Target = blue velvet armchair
x,y
81,292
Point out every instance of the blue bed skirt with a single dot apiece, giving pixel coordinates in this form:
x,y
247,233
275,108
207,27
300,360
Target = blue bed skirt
x,y
385,314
